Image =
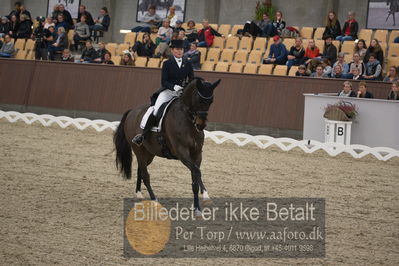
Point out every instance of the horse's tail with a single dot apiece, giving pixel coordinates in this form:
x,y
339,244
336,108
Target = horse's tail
x,y
123,158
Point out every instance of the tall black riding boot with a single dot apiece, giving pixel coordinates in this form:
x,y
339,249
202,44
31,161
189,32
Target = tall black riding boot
x,y
138,139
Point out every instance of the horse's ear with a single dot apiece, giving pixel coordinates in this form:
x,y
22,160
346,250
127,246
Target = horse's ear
x,y
214,85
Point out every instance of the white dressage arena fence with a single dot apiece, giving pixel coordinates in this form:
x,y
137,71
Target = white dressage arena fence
x,y
219,137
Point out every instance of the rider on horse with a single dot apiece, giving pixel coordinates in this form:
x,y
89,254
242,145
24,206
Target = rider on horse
x,y
175,73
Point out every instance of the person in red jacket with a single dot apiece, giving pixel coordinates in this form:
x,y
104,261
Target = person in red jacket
x,y
350,29
311,52
206,35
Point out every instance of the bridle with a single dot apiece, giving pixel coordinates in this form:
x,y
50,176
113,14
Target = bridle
x,y
201,114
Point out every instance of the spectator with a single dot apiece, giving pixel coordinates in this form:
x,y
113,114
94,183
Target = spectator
x,y
206,35
256,28
4,27
330,51
392,75
89,54
394,93
17,11
67,56
67,16
26,12
327,69
62,23
55,13
333,27
301,71
376,49
194,56
7,49
350,29
296,54
127,60
178,27
60,43
107,59
347,90
102,22
338,72
312,51
275,28
84,12
172,16
186,43
361,48
99,56
146,47
25,27
356,75
14,25
191,31
319,72
164,33
362,92
358,64
373,68
50,39
277,54
49,22
149,20
82,32
341,61
40,35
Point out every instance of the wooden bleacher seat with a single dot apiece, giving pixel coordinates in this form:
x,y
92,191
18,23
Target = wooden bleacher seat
x,y
141,61
30,45
381,35
227,56
222,67
208,66
255,57
265,69
393,50
392,61
203,51
214,26
70,37
365,34
337,44
218,42
21,54
318,34
236,68
117,60
348,48
289,42
19,44
245,43
153,37
130,38
122,47
320,45
213,55
250,69
198,25
393,35
139,36
232,43
306,32
280,70
154,62
30,55
292,71
224,29
259,44
241,57
111,47
236,28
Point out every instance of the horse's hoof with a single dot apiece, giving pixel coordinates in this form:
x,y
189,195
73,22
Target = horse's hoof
x,y
139,195
198,215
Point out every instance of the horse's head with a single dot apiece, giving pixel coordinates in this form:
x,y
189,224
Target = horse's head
x,y
198,97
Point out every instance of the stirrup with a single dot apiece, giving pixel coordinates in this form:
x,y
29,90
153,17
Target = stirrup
x,y
138,139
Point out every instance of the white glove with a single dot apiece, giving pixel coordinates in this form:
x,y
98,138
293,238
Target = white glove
x,y
177,88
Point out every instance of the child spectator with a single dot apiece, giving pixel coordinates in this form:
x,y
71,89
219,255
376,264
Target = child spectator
x,y
375,49
7,49
356,75
107,59
347,90
49,23
277,54
25,27
276,27
62,23
127,60
194,56
296,54
172,16
373,68
149,20
361,48
191,31
89,54
312,51
61,43
330,51
341,61
392,75
362,92
357,64
350,29
99,57
319,72
333,27
206,35
4,27
146,47
67,56
301,72
394,93
82,32
327,69
83,12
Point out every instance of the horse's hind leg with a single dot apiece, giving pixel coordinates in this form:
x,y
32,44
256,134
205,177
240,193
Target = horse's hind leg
x,y
146,179
138,185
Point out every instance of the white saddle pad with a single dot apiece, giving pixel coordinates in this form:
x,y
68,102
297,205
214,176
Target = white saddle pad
x,y
149,111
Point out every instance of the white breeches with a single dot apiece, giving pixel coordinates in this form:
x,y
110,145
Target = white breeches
x,y
163,97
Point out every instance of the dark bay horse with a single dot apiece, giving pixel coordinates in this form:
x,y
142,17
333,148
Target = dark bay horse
x,y
182,132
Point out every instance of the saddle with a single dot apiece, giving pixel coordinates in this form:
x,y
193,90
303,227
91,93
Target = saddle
x,y
161,114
